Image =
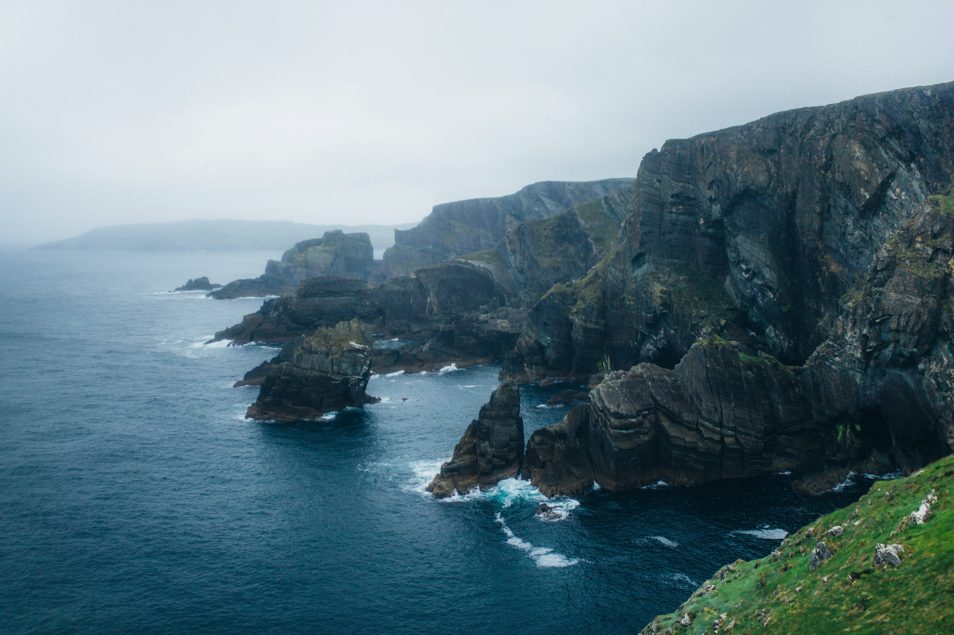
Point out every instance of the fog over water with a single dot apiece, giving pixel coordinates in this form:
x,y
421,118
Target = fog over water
x,y
118,112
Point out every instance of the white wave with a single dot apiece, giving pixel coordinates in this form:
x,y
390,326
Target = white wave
x,y
845,484
666,542
328,416
450,368
396,373
544,557
424,472
682,579
888,476
465,387
549,406
559,510
656,485
764,532
785,473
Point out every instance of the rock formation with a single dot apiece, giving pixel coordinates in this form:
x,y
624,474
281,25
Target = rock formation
x,y
722,412
490,450
335,254
326,371
198,284
767,225
781,292
462,227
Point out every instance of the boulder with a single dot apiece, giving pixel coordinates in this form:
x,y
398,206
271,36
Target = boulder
x,y
490,450
820,553
888,555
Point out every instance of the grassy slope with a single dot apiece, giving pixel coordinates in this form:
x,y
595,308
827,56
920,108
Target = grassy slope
x,y
779,594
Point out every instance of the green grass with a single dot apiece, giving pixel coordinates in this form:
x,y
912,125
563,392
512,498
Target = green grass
x,y
846,593
943,203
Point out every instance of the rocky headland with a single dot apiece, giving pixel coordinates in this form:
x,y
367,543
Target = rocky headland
x,y
767,297
197,284
316,374
335,254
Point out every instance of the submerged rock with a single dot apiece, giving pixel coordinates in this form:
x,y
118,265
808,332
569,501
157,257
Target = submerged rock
x,y
198,284
490,450
323,372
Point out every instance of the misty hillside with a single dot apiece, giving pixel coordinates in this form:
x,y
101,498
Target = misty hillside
x,y
214,235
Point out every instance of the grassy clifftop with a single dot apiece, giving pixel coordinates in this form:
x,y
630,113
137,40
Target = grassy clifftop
x,y
846,592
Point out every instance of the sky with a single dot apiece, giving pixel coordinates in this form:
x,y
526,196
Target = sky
x,y
372,112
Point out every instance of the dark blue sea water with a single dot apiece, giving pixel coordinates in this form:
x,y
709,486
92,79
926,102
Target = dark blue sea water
x,y
135,497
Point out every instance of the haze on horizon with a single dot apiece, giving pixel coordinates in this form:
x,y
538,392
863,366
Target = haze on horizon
x,y
359,113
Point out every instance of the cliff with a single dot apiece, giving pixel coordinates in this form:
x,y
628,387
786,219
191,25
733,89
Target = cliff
x,y
806,242
766,225
335,254
462,227
883,564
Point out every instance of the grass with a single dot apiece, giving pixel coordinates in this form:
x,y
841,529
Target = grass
x,y
846,593
943,203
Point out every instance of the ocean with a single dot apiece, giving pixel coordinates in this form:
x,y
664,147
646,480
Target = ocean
x,y
134,496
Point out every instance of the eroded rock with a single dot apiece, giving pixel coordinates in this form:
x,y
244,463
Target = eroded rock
x,y
490,450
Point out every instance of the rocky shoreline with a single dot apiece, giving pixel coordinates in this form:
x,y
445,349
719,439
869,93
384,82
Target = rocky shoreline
x,y
774,296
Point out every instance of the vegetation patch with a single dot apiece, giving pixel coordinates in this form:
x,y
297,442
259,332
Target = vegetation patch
x,y
850,590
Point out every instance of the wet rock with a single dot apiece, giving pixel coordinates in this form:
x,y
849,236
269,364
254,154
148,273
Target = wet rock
x,y
819,555
490,450
888,554
721,413
198,284
317,374
547,512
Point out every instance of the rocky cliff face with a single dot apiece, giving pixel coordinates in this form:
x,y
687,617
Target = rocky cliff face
x,y
336,254
326,371
490,450
886,374
722,412
767,224
462,227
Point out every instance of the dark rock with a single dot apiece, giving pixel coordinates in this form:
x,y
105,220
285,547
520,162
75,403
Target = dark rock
x,y
886,375
326,371
721,413
318,302
763,226
336,254
819,555
490,450
567,396
462,227
198,284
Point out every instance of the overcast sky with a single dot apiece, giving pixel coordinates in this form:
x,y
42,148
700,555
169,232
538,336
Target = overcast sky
x,y
349,112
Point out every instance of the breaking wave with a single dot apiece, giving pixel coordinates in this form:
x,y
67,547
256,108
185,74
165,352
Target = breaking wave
x,y
544,557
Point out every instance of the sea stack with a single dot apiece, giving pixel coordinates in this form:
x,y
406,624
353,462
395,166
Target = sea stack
x,y
490,450
317,374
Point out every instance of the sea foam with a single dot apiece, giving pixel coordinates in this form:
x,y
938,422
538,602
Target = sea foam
x,y
764,532
544,557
